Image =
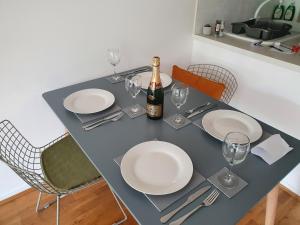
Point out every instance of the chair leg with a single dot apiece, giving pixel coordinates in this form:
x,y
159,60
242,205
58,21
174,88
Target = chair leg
x,y
47,205
37,208
57,209
122,210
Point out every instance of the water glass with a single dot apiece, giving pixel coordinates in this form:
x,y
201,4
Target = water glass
x,y
179,96
235,149
114,57
133,85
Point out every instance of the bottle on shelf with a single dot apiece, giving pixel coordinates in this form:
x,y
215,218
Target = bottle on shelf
x,y
278,12
217,28
290,12
155,93
222,29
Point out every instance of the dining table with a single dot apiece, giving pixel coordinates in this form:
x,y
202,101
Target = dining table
x,y
104,143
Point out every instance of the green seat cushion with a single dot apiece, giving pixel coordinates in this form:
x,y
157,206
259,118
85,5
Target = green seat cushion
x,y
65,166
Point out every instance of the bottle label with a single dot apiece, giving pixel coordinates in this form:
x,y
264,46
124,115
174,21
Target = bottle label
x,y
154,110
155,85
288,14
278,13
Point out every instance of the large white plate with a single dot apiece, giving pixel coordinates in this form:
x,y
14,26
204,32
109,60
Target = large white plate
x,y
156,168
145,77
89,101
218,123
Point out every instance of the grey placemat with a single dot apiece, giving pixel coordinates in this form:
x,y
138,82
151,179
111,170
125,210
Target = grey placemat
x,y
229,192
86,118
170,120
162,202
128,72
133,115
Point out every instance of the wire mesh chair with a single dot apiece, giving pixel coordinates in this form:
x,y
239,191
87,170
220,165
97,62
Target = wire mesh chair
x,y
24,159
217,74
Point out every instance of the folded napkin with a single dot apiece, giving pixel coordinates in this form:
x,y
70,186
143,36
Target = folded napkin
x,y
272,149
86,118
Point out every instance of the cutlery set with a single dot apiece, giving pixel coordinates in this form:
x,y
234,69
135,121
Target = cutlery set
x,y
189,200
118,115
199,109
111,118
208,201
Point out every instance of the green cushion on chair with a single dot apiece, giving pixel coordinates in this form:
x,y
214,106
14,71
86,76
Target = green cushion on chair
x,y
65,166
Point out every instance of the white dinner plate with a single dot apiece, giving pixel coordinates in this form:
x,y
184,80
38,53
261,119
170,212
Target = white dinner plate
x,y
156,168
145,77
218,123
89,101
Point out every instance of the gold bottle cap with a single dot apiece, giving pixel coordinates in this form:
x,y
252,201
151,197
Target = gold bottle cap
x,y
156,61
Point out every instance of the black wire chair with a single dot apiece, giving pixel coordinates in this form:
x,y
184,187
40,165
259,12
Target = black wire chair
x,y
217,74
25,160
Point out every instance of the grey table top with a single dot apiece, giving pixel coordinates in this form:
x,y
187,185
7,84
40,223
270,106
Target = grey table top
x,y
105,143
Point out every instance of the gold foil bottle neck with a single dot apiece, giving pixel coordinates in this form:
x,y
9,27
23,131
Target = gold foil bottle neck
x,y
156,61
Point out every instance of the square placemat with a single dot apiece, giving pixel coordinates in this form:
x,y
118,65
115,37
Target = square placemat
x,y
229,192
161,202
169,120
133,115
126,73
114,81
89,118
198,123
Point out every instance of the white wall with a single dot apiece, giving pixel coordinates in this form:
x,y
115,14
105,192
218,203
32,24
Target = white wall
x,y
47,44
266,91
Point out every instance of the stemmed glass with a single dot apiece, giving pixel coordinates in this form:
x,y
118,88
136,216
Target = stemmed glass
x,y
113,57
133,85
179,96
235,149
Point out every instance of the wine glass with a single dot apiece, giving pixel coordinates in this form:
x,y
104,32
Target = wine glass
x,y
179,96
133,85
235,149
113,56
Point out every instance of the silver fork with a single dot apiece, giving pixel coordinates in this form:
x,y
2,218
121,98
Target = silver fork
x,y
103,122
207,202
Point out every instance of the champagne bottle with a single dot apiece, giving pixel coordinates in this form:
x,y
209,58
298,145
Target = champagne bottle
x,y
155,94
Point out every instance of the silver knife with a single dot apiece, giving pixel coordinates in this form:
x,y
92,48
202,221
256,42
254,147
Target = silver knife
x,y
190,111
102,119
190,199
116,118
202,111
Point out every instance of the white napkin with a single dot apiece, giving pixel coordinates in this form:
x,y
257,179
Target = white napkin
x,y
272,149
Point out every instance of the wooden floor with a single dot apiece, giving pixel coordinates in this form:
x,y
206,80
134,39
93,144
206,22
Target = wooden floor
x,y
96,206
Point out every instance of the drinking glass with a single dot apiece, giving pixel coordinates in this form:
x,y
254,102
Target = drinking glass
x,y
113,56
235,149
133,85
179,96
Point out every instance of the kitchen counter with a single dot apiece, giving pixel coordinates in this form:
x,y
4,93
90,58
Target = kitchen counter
x,y
289,61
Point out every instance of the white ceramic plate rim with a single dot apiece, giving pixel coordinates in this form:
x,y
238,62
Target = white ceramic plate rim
x,y
108,96
131,156
146,76
210,117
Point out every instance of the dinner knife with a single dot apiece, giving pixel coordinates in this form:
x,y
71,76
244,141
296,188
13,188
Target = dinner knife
x,y
116,118
202,111
102,119
190,199
190,111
